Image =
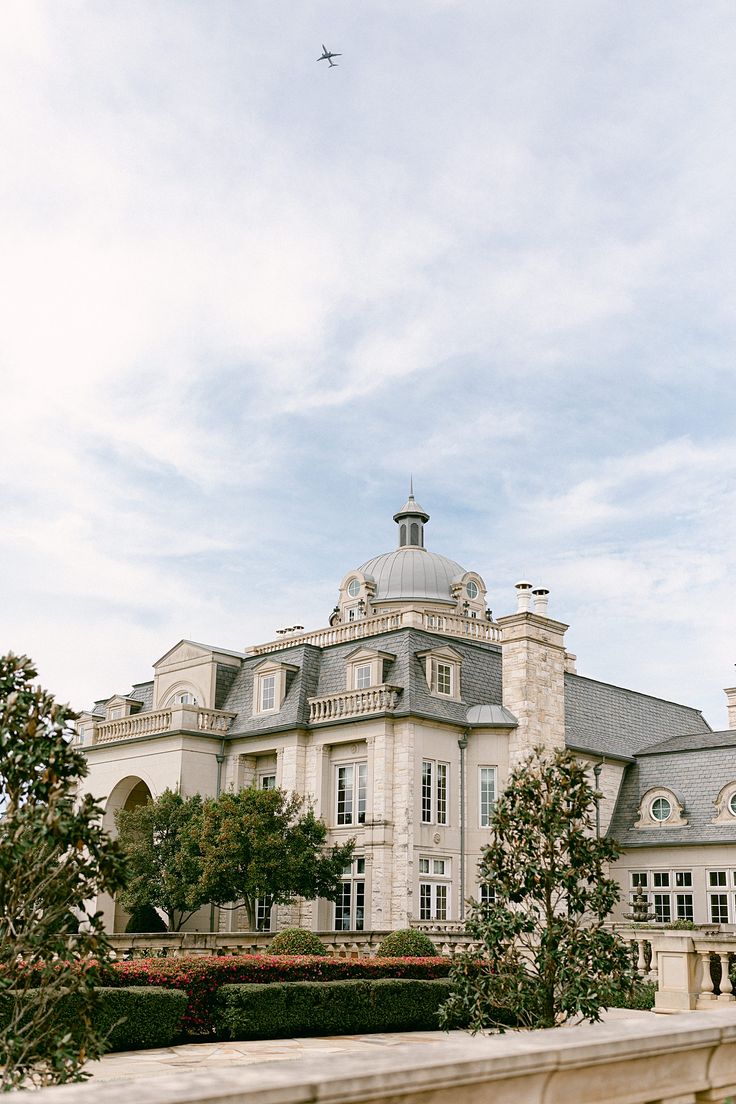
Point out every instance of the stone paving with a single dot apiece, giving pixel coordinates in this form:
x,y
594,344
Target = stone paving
x,y
191,1057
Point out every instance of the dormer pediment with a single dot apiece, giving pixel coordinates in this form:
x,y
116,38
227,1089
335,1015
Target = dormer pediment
x,y
445,651
267,665
358,654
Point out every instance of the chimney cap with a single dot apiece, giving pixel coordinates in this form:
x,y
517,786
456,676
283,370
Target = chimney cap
x,y
523,584
539,590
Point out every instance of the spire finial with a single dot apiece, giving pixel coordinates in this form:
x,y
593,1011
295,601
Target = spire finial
x,y
411,485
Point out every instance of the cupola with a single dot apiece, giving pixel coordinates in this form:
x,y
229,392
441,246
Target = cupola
x,y
411,519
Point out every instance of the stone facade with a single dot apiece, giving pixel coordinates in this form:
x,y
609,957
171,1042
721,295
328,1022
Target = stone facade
x,y
383,718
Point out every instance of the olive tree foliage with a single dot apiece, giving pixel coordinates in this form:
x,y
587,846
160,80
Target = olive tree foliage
x,y
266,844
162,842
544,953
55,858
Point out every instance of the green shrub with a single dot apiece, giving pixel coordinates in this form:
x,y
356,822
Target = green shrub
x,y
407,943
638,996
131,1018
201,976
328,1008
297,941
145,919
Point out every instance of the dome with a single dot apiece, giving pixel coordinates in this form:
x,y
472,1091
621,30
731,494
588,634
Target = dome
x,y
412,573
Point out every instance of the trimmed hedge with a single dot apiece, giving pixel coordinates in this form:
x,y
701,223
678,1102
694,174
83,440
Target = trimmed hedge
x,y
639,996
201,976
407,943
297,941
300,1008
132,1018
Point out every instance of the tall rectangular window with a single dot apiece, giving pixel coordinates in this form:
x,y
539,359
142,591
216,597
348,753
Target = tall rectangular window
x,y
684,904
351,793
427,792
345,794
268,692
442,793
263,913
350,905
719,908
487,797
662,911
441,680
362,676
434,888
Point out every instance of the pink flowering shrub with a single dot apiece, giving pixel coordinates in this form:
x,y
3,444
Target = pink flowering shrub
x,y
201,976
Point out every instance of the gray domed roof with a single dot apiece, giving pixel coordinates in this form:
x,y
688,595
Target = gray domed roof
x,y
412,573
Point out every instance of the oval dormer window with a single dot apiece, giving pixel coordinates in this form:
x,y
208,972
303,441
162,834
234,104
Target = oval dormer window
x,y
732,804
472,589
353,588
661,809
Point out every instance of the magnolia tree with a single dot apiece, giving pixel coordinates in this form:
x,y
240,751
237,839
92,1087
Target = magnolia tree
x,y
545,955
54,860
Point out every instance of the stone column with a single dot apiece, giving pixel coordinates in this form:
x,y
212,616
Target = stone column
x,y
533,671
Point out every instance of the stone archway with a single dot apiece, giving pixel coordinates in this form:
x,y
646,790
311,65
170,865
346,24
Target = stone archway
x,y
128,793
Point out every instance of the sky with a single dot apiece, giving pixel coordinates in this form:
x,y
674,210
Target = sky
x,y
245,296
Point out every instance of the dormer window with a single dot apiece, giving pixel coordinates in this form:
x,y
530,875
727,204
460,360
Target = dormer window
x,y
442,671
354,588
660,808
367,667
726,805
270,685
362,676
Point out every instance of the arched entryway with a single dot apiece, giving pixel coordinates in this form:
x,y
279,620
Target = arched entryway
x,y
129,793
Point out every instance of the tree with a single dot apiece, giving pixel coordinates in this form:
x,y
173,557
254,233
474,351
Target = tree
x,y
54,859
545,955
161,840
264,844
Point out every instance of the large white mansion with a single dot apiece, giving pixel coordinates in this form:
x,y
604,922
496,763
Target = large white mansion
x,y
401,720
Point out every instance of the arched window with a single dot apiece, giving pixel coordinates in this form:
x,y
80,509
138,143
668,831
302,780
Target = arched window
x,y
414,533
402,535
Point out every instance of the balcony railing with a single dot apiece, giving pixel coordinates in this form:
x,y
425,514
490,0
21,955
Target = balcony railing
x,y
447,624
179,718
354,703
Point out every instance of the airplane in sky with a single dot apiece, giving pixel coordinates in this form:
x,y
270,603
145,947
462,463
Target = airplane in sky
x,y
327,55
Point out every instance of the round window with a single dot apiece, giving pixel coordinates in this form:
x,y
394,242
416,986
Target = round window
x,y
732,804
661,809
472,589
353,588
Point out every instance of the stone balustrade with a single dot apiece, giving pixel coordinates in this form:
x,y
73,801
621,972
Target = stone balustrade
x,y
354,703
347,944
693,970
428,620
639,1059
179,718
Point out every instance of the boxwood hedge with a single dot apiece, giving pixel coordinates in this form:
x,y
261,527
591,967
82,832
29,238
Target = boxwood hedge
x,y
133,1017
328,1007
202,976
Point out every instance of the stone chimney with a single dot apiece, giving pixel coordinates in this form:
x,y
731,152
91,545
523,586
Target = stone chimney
x,y
731,703
533,671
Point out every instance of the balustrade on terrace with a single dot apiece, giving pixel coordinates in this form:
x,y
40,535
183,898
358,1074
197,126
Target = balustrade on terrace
x,y
179,718
354,703
447,624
